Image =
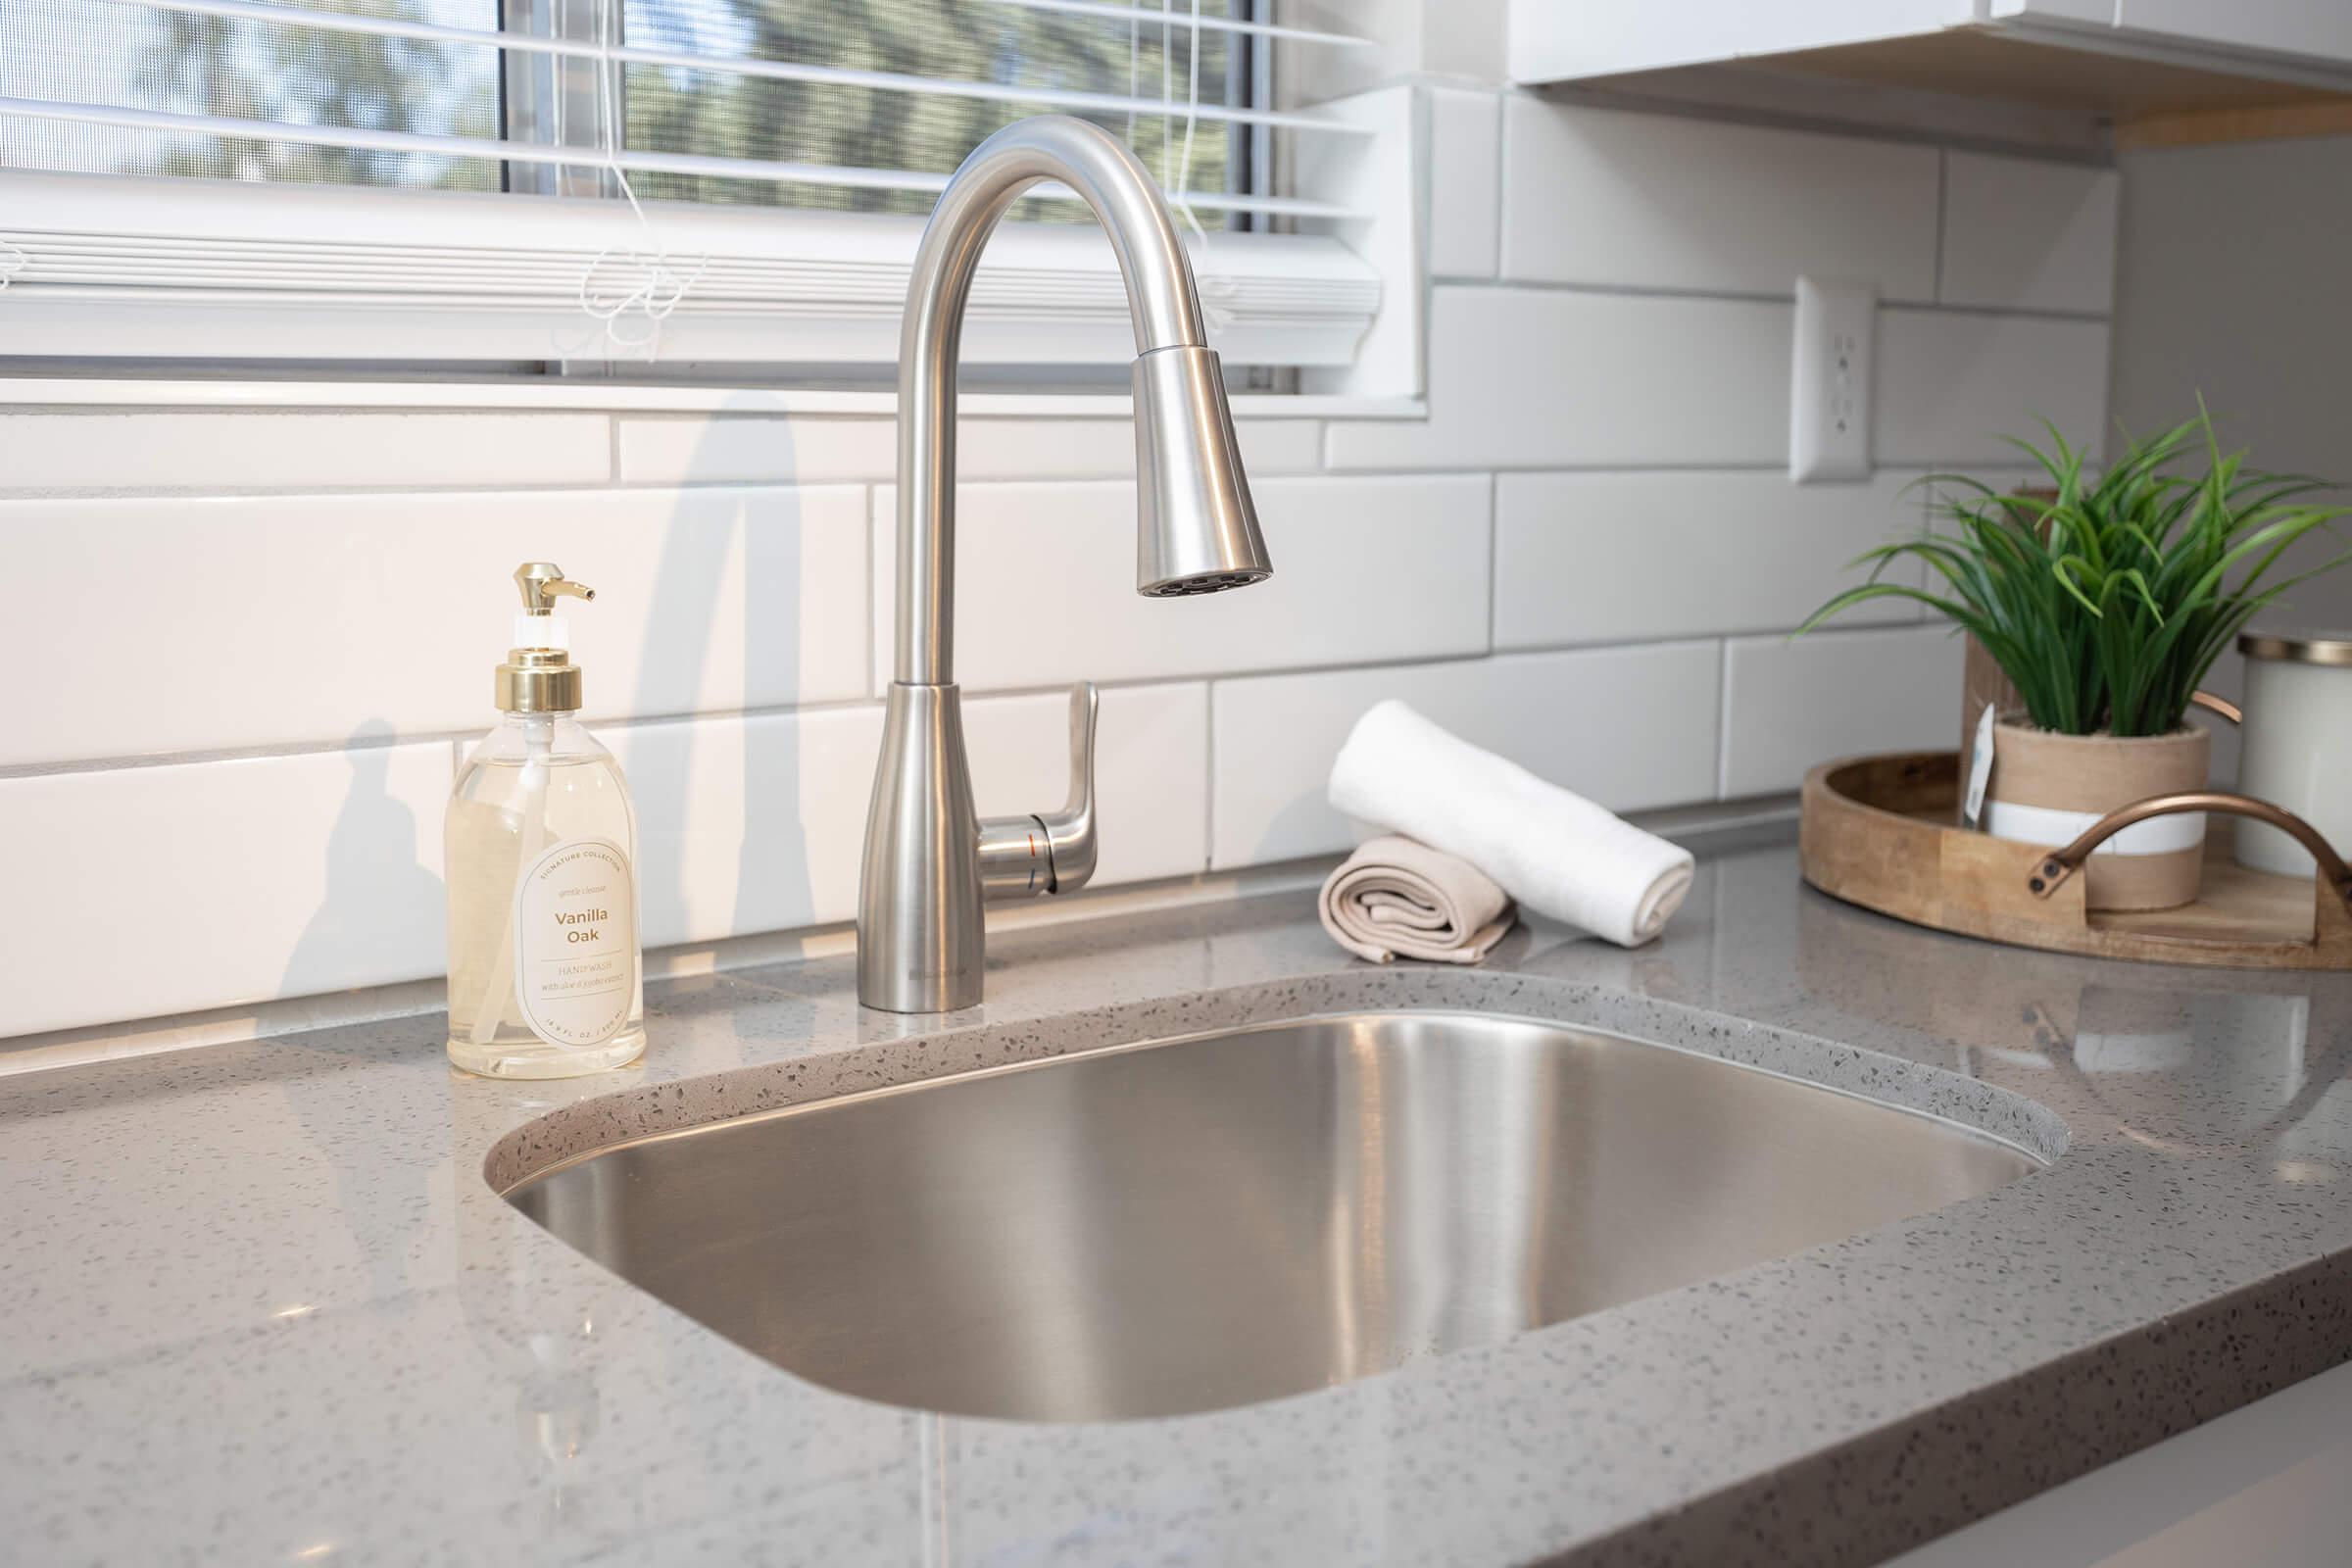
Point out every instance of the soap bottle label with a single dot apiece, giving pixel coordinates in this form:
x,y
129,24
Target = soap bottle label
x,y
575,943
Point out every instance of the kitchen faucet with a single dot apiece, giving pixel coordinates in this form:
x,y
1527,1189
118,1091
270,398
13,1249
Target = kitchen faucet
x,y
930,861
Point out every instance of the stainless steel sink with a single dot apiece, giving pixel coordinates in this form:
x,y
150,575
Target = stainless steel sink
x,y
1196,1223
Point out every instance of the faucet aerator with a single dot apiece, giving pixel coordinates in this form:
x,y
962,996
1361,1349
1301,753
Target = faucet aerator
x,y
1215,582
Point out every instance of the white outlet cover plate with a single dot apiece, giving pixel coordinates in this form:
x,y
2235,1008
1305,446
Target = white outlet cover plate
x,y
1829,401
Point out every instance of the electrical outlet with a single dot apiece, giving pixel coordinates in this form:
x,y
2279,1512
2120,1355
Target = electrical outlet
x,y
1829,400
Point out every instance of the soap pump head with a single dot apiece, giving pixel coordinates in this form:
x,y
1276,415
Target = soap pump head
x,y
539,676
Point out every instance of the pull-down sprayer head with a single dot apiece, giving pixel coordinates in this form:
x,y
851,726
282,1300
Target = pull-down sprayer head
x,y
1195,531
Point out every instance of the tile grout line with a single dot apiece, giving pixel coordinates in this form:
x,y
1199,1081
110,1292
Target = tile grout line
x,y
552,488
785,485
1730,296
1209,794
1493,551
1502,185
1722,719
1943,196
871,701
871,588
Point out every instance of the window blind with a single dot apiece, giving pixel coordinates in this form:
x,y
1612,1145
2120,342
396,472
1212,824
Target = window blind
x,y
689,107
405,81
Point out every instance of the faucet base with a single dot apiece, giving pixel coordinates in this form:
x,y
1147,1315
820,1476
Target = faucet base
x,y
920,940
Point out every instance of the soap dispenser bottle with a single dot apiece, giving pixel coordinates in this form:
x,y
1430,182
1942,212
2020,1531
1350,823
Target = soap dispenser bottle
x,y
545,976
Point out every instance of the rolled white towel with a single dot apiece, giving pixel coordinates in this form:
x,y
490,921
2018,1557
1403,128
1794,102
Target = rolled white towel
x,y
1553,851
1395,897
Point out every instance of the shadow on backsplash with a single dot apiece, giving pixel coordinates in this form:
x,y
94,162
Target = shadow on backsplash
x,y
773,887
372,828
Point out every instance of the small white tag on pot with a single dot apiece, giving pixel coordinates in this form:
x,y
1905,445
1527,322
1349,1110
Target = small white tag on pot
x,y
1979,767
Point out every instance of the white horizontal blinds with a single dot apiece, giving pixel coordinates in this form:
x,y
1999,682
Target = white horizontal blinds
x,y
1208,21
844,104
83,64
854,112
411,145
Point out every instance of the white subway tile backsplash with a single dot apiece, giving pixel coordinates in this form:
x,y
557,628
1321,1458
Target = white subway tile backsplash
x,y
1551,562
1609,198
1270,447
1151,771
1937,494
757,824
289,620
1789,703
1365,571
1535,378
748,822
265,451
1465,130
681,450
143,891
1628,727
1952,384
2022,233
808,448
1599,558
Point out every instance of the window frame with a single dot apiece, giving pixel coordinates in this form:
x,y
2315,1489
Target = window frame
x,y
96,268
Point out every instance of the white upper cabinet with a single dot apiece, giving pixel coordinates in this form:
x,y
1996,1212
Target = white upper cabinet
x,y
2310,31
2114,57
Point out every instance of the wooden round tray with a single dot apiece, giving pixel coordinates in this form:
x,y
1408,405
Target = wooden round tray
x,y
1883,832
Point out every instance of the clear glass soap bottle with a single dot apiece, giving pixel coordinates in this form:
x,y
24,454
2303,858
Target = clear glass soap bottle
x,y
545,974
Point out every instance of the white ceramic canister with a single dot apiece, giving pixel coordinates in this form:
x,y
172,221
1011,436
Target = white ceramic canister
x,y
2297,743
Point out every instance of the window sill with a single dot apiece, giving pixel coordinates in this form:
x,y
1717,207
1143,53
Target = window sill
x,y
75,393
193,271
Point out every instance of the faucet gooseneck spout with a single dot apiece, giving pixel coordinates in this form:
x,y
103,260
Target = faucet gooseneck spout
x,y
930,861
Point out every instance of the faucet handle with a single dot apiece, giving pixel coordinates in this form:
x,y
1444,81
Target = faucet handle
x,y
1070,831
1052,852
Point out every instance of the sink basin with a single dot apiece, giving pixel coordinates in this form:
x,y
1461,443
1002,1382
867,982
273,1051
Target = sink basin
x,y
1209,1221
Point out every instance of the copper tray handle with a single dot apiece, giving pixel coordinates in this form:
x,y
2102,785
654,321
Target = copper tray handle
x,y
2051,873
2218,704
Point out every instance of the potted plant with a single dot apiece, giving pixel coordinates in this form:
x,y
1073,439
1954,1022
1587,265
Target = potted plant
x,y
2105,602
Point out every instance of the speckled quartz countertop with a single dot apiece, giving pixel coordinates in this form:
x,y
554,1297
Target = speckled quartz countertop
x,y
259,1303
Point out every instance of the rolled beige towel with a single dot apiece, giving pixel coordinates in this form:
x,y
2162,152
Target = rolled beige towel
x,y
1555,852
1395,898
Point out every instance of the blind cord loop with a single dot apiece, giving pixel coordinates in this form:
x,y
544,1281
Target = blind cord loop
x,y
654,288
13,261
1216,292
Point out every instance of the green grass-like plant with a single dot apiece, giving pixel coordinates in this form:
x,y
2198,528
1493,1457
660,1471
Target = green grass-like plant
x,y
2106,604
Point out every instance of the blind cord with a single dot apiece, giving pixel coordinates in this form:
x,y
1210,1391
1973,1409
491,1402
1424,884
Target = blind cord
x,y
655,290
1216,290
652,288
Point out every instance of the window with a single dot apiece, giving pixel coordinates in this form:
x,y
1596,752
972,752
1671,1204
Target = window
x,y
248,65
442,178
